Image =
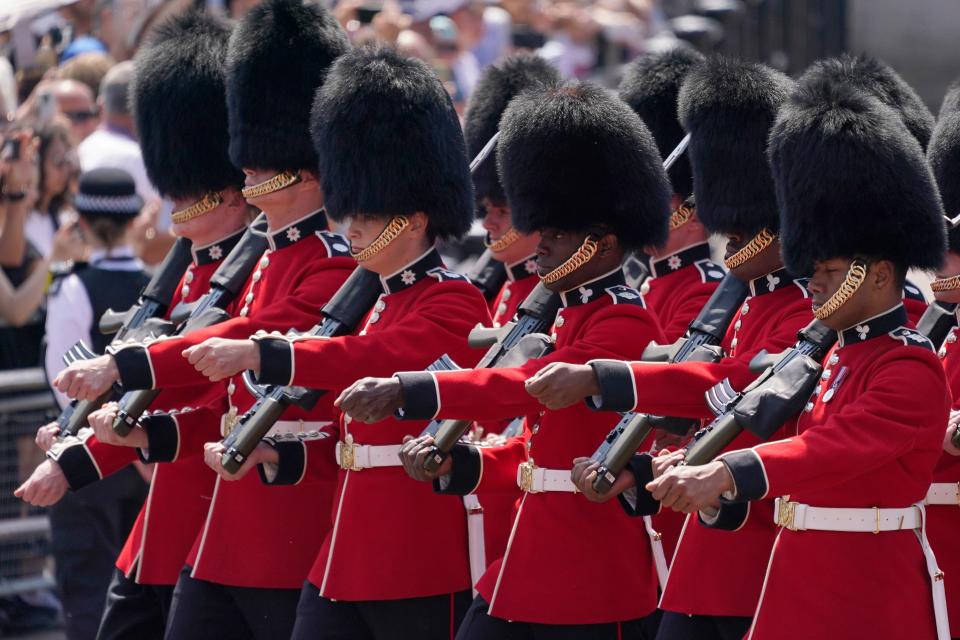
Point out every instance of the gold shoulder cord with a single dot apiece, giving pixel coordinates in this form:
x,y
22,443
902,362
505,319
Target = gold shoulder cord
x,y
206,204
507,239
945,284
280,181
582,256
752,249
393,229
681,217
856,274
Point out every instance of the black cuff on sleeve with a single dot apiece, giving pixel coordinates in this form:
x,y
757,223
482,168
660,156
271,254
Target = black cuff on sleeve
x,y
276,361
134,366
421,398
163,438
641,466
617,392
732,516
748,475
292,462
465,472
77,464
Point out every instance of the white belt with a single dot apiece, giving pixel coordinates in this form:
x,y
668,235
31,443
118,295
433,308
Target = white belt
x,y
287,427
801,517
534,479
476,542
354,457
943,493
656,548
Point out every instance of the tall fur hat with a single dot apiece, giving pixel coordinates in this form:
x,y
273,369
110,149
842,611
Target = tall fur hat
x,y
879,79
497,86
650,86
575,156
728,107
852,181
278,56
944,155
389,142
180,109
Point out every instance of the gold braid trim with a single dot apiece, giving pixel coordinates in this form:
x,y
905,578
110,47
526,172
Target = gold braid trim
x,y
206,204
507,239
276,183
856,274
946,284
582,256
681,217
752,249
393,229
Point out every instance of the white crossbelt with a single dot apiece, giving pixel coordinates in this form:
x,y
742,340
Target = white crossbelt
x,y
534,479
356,457
656,548
287,427
476,543
943,493
796,516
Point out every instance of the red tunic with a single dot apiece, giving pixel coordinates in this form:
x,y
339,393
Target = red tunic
x,y
555,570
874,443
521,280
379,514
254,535
708,561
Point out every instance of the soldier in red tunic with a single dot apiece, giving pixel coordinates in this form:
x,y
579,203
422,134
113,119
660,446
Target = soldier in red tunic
x,y
224,592
859,207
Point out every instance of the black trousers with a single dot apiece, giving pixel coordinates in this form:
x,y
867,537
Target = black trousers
x,y
479,625
679,626
203,610
430,618
134,611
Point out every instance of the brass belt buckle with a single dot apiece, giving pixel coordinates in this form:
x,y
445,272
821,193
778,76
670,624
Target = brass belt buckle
x,y
786,511
347,457
526,477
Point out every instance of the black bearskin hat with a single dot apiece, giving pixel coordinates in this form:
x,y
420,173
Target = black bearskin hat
x,y
728,107
852,181
650,86
499,84
278,56
880,80
178,101
389,142
575,156
944,155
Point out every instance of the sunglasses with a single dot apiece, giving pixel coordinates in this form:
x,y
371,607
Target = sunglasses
x,y
80,116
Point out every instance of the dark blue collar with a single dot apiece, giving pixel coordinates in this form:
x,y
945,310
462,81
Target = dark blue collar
x,y
590,291
297,230
216,251
675,261
412,273
771,282
878,325
522,268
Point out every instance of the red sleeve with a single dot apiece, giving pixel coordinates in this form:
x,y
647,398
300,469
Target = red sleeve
x,y
308,458
679,321
181,434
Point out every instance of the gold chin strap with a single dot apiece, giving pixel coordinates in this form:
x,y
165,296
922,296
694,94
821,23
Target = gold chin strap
x,y
856,274
393,229
753,248
681,216
276,183
945,284
582,256
206,204
507,239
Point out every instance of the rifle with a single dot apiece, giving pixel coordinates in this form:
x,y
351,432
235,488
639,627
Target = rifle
x,y
132,324
225,285
937,321
510,346
488,275
699,344
341,315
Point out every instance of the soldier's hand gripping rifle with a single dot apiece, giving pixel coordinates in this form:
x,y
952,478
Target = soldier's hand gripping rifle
x,y
225,285
341,315
509,346
699,344
136,323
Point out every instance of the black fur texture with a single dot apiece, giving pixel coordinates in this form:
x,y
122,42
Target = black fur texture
x,y
852,181
499,84
389,142
944,156
728,107
574,157
278,56
650,86
180,109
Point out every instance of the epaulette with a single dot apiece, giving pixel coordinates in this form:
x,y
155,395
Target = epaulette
x,y
911,337
442,274
337,246
709,270
912,292
804,285
623,294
